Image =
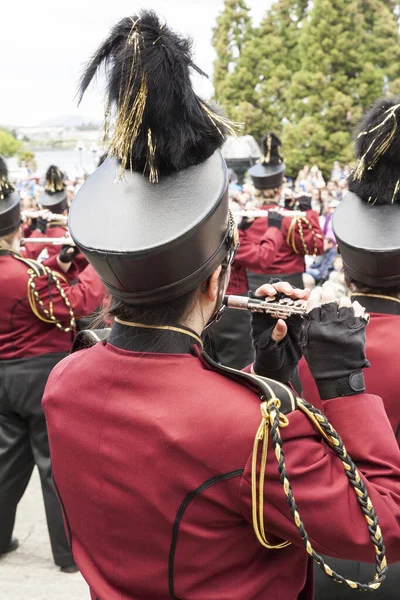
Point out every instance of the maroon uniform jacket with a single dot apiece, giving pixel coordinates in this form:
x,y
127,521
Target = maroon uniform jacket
x,y
383,342
290,255
253,254
151,456
22,334
53,230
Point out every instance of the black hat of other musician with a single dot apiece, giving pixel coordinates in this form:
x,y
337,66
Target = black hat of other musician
x,y
55,196
269,174
10,206
367,221
153,219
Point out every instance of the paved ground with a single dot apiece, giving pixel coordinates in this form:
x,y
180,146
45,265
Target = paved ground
x,y
29,573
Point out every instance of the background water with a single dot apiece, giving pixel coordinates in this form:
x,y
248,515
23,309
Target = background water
x,y
70,161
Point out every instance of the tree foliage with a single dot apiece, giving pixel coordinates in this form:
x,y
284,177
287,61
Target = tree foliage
x,y
308,71
9,145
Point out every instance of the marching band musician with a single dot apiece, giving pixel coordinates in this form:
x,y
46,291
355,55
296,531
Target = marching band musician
x,y
302,234
55,200
155,448
38,312
230,340
366,226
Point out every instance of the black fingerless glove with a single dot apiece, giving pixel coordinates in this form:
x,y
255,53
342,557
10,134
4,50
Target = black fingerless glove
x,y
67,257
245,223
304,203
276,360
33,226
275,219
333,343
41,224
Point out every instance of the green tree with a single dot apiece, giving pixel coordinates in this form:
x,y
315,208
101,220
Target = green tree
x,y
274,59
27,159
341,73
233,30
9,145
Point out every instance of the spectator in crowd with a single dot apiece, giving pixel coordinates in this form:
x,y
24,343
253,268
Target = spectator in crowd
x,y
323,265
337,172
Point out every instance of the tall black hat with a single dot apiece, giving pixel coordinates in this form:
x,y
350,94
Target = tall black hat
x,y
367,221
55,196
153,219
10,206
269,174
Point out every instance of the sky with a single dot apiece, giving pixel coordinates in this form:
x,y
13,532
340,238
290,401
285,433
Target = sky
x,y
44,45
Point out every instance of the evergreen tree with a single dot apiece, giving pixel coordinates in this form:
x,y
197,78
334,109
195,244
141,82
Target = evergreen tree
x,y
341,73
9,145
230,35
307,72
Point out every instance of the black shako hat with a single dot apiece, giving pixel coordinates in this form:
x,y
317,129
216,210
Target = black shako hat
x,y
10,205
367,221
55,196
269,174
153,219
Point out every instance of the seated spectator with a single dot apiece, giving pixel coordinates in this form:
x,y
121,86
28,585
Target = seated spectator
x,y
337,172
323,265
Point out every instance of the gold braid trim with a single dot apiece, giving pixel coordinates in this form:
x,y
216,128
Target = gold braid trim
x,y
272,420
38,308
291,238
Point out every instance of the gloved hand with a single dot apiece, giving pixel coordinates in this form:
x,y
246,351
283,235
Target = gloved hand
x,y
276,342
275,219
41,225
245,223
68,253
290,203
304,203
333,343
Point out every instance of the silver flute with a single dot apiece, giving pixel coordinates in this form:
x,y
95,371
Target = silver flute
x,y
64,241
280,309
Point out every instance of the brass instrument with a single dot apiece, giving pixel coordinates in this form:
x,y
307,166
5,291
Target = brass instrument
x,y
281,309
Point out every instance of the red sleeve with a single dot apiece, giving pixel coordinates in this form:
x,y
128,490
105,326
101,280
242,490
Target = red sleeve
x,y
326,502
261,254
85,296
304,234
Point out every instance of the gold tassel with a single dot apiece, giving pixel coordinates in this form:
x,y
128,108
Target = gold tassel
x,y
151,152
381,149
269,144
396,189
219,121
129,119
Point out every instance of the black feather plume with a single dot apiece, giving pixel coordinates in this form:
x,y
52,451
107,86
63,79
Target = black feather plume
x,y
5,186
54,180
376,178
270,144
161,125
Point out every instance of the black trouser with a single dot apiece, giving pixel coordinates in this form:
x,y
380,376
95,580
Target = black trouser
x,y
327,589
24,443
228,342
256,280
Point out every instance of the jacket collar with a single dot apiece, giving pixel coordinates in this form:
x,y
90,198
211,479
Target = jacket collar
x,y
159,341
378,303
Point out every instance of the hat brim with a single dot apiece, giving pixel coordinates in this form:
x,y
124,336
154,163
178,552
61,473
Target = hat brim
x,y
368,237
